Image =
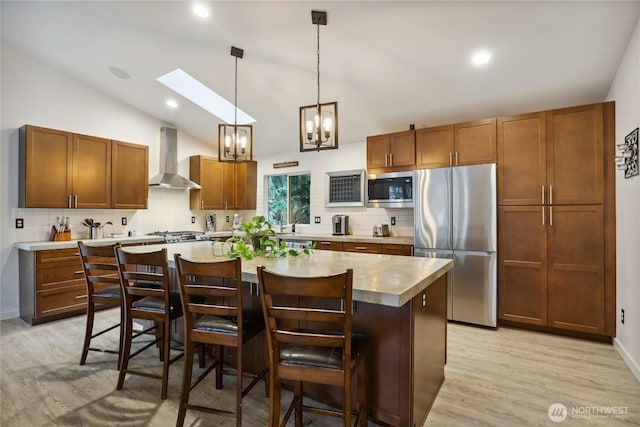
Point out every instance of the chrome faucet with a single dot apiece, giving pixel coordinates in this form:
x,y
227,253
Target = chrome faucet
x,y
281,219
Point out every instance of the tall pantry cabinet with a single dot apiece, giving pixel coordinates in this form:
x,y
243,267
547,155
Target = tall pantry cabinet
x,y
557,219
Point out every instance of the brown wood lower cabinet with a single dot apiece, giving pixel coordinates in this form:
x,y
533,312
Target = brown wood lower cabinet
x,y
407,349
366,248
51,285
552,267
327,245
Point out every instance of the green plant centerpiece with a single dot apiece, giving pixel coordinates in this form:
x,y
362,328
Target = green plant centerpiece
x,y
256,241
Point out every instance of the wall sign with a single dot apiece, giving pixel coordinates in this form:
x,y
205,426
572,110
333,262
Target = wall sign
x,y
628,158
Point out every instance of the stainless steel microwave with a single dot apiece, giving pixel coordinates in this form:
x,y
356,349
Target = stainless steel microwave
x,y
390,190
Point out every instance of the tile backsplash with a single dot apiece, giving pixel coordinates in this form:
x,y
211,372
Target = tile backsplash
x,y
169,210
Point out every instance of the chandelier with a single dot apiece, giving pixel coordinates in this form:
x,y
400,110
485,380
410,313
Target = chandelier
x,y
319,122
235,142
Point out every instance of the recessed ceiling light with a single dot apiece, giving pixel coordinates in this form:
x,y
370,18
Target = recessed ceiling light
x,y
480,57
196,92
119,72
201,10
171,103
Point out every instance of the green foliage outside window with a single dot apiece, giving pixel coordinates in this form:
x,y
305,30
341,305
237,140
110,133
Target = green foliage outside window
x,y
289,199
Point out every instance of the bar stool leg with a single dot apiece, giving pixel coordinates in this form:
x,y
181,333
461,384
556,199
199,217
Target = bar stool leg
x,y
166,344
88,331
126,351
186,384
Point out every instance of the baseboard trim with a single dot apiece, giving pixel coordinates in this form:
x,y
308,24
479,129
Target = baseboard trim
x,y
12,314
633,365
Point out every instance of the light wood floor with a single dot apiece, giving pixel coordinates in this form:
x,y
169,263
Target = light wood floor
x,y
493,378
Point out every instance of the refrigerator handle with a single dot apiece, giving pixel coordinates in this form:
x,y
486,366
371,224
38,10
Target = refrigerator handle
x,y
551,194
543,195
543,215
550,216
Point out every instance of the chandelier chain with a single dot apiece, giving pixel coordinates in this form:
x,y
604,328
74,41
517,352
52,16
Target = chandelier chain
x,y
318,66
235,97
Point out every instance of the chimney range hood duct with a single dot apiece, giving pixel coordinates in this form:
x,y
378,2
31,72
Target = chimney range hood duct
x,y
168,176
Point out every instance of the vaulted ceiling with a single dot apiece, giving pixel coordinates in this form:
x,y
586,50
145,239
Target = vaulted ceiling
x,y
386,63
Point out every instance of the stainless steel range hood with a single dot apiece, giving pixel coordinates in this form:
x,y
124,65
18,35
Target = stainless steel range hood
x,y
168,176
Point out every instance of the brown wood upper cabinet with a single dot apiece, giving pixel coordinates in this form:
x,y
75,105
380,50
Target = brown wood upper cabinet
x,y
60,169
461,144
391,152
225,185
63,170
554,157
129,175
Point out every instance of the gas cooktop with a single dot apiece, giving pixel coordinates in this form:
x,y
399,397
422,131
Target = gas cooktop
x,y
180,236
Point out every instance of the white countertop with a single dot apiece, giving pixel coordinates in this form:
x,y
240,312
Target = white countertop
x,y
42,246
390,280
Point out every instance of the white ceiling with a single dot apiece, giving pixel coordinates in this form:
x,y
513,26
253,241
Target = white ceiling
x,y
386,63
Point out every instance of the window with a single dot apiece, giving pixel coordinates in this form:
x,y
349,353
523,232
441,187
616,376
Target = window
x,y
289,198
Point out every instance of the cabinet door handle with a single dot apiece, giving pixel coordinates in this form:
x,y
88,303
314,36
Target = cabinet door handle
x,y
325,243
78,272
69,201
550,215
391,159
225,205
424,301
543,194
81,297
456,158
360,248
201,204
75,201
543,215
386,160
450,158
551,194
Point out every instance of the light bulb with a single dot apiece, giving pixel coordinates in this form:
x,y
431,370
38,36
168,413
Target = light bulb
x,y
327,123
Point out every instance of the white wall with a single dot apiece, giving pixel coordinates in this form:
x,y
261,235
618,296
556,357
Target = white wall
x,y
625,91
33,93
347,157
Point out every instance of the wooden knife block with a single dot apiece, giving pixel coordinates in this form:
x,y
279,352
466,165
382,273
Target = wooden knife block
x,y
54,236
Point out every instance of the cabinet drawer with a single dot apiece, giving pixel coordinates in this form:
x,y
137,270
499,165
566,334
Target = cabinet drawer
x,y
406,250
60,300
55,255
52,273
326,245
369,248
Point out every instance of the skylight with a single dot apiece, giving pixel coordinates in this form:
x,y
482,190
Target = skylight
x,y
196,92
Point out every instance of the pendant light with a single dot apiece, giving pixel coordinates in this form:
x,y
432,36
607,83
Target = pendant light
x,y
235,142
319,122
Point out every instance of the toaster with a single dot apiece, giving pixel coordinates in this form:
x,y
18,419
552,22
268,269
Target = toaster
x,y
380,230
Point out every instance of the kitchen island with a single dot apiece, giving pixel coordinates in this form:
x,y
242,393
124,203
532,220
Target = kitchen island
x,y
399,302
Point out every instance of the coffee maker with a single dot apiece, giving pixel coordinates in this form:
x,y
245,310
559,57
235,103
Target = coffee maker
x,y
340,225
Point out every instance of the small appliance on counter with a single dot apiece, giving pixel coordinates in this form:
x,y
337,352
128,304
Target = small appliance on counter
x,y
340,225
381,230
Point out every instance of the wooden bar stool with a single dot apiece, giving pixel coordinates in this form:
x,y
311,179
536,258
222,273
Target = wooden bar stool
x,y
103,290
145,286
308,321
211,295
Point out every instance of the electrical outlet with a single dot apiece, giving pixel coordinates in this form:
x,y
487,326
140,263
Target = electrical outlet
x,y
622,316
317,220
393,220
124,220
227,218
19,222
193,220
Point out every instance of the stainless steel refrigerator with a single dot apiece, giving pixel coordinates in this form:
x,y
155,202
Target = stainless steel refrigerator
x,y
455,217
